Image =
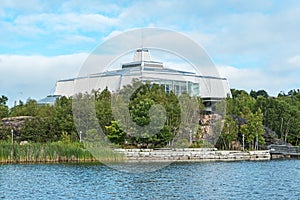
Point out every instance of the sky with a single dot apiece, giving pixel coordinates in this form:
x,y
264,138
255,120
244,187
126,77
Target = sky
x,y
254,44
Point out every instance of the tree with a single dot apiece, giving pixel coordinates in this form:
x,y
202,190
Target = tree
x,y
229,133
4,111
253,130
236,93
30,108
115,134
63,116
39,130
155,114
146,113
261,93
3,107
103,108
241,103
3,100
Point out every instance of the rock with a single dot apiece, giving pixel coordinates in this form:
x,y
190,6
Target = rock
x,y
24,142
15,122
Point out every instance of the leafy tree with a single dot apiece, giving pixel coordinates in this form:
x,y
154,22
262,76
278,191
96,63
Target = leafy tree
x,y
240,103
3,100
229,133
3,107
148,96
4,111
103,108
253,130
262,93
84,113
39,130
63,116
235,92
30,108
152,120
115,134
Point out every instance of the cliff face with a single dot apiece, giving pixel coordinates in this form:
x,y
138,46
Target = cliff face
x,y
209,126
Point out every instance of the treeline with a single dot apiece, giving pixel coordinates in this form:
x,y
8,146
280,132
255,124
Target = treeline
x,y
248,117
49,123
255,114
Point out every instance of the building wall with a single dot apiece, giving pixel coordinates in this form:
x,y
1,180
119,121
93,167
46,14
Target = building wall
x,y
208,87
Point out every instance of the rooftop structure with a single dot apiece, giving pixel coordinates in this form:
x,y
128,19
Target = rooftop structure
x,y
50,99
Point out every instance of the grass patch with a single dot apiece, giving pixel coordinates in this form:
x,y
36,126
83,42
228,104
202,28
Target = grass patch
x,y
44,152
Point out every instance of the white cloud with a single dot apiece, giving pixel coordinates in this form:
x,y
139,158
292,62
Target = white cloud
x,y
259,38
111,35
294,62
76,39
89,6
21,5
259,78
68,22
35,76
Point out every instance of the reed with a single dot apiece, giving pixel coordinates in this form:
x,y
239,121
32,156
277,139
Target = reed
x,y
54,152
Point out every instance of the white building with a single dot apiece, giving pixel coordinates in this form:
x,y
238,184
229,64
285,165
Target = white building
x,y
209,88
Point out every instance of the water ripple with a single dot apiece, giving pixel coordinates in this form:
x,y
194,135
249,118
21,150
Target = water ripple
x,y
218,180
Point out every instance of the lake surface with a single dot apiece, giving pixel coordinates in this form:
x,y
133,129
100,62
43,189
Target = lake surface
x,y
210,180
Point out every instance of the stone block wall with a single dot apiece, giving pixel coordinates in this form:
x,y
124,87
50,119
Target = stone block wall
x,y
191,154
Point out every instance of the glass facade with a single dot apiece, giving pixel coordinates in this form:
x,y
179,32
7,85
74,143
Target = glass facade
x,y
179,87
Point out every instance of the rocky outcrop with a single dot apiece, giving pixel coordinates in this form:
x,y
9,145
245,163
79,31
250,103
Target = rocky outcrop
x,y
207,125
15,122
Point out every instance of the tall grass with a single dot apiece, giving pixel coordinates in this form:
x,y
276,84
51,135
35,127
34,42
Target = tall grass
x,y
44,152
103,152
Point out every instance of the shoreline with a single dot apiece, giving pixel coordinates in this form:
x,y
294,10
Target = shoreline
x,y
192,155
159,155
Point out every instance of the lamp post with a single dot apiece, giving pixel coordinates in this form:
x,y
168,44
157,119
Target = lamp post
x,y
80,136
191,138
256,141
243,142
12,136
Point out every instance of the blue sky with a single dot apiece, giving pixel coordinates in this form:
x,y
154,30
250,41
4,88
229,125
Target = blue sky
x,y
255,44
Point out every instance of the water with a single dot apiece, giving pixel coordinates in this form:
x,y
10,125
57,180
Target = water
x,y
211,180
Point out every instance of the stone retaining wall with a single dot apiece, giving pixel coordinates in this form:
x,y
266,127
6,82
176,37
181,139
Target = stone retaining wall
x,y
191,154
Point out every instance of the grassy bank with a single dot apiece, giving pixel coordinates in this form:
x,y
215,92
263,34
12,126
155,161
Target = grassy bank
x,y
50,152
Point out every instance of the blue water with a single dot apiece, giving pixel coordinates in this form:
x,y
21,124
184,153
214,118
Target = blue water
x,y
211,180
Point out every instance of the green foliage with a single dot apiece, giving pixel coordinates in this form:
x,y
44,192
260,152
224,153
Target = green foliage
x,y
115,133
246,107
63,116
103,108
49,122
229,133
4,111
201,144
31,108
65,138
5,133
84,112
43,152
56,123
253,130
92,136
281,114
39,130
3,100
148,97
262,93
